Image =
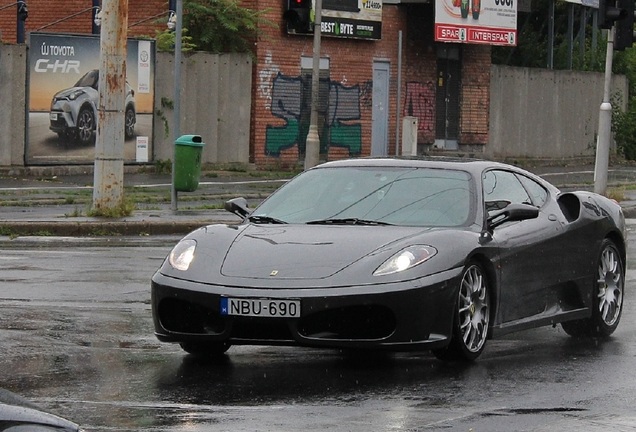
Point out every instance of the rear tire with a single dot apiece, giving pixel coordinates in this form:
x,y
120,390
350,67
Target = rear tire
x,y
607,300
472,317
210,349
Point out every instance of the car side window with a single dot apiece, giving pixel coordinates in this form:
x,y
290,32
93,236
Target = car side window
x,y
502,188
537,192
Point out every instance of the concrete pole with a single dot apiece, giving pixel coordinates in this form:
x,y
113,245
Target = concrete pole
x,y
109,147
312,145
604,123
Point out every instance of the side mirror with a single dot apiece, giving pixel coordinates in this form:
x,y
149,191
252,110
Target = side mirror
x,y
238,206
513,212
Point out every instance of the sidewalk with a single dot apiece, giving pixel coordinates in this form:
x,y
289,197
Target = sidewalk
x,y
57,204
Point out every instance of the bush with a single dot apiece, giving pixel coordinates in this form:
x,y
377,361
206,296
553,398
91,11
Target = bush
x,y
624,128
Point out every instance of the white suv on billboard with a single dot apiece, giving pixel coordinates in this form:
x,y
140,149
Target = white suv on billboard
x,y
73,113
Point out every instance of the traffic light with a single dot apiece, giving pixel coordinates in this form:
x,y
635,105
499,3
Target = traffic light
x,y
608,13
624,34
23,12
298,16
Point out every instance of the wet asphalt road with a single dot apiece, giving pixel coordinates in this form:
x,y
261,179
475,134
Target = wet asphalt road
x,y
76,336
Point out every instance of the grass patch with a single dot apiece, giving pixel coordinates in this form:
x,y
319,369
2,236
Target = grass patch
x,y
617,194
125,208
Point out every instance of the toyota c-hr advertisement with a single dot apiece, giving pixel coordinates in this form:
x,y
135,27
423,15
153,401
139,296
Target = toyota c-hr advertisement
x,y
74,110
63,99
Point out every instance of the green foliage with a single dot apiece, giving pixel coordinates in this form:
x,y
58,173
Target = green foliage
x,y
166,41
624,123
221,26
125,208
624,127
533,40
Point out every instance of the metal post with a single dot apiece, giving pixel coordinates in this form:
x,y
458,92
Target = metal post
x,y
312,145
604,123
570,34
398,151
20,31
177,97
109,149
551,34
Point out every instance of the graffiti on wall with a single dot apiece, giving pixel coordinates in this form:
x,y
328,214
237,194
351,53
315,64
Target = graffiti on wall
x,y
420,103
265,78
339,107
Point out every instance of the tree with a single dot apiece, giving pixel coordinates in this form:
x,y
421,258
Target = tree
x,y
222,25
533,40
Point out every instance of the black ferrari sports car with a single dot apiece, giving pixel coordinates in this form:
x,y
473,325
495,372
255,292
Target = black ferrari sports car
x,y
397,254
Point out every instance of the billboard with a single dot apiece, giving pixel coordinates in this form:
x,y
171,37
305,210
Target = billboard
x,y
492,22
63,98
360,19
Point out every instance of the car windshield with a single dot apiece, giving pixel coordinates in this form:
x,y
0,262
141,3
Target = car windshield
x,y
88,80
373,196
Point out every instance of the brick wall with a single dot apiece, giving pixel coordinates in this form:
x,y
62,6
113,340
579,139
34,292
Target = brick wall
x,y
350,71
475,97
45,12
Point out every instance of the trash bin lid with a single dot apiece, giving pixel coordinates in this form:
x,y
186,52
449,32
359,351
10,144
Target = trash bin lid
x,y
190,140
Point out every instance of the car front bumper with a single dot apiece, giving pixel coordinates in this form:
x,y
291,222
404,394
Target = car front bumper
x,y
410,315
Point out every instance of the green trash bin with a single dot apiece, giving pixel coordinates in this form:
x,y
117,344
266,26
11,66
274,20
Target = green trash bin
x,y
187,162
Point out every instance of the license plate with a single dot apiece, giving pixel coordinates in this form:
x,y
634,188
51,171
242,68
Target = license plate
x,y
53,116
266,308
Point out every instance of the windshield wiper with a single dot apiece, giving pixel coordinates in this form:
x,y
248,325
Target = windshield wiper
x,y
260,219
347,221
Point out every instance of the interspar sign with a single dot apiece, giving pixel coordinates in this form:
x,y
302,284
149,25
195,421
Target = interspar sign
x,y
492,22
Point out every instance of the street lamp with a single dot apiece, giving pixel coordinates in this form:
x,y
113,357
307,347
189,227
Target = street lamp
x,y
171,24
172,20
97,19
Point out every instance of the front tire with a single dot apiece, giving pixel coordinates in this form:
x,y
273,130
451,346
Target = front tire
x,y
129,122
607,301
472,317
86,126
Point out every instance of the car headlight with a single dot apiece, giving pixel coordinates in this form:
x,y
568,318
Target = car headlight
x,y
182,254
405,259
74,95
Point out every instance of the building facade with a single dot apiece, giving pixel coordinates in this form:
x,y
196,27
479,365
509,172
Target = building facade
x,y
367,88
369,84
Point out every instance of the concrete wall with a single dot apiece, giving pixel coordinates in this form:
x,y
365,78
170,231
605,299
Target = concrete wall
x,y
215,103
13,61
540,113
534,113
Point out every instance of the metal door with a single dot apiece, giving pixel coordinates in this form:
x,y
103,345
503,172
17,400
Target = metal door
x,y
380,113
447,98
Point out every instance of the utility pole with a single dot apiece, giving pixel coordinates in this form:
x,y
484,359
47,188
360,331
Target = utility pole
x,y
604,123
312,145
109,147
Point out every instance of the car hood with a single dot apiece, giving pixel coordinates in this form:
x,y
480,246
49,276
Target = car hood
x,y
305,251
20,412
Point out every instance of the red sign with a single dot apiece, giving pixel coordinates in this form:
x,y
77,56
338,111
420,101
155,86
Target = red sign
x,y
476,35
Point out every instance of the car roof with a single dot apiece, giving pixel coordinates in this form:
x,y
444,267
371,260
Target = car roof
x,y
465,164
471,165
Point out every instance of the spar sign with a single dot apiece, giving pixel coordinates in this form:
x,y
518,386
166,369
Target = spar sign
x,y
492,22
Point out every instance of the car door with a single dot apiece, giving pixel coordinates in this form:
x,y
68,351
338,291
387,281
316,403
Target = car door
x,y
529,249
